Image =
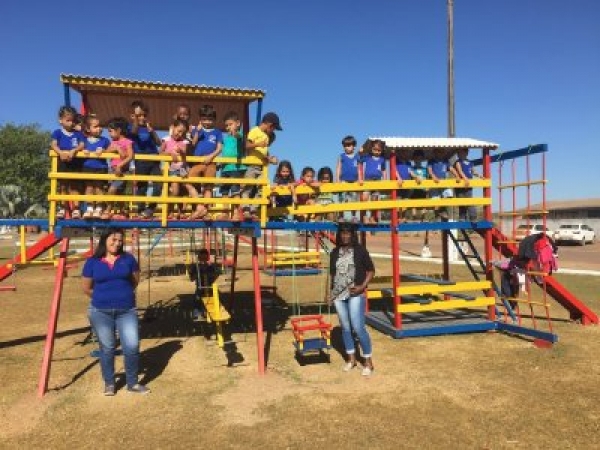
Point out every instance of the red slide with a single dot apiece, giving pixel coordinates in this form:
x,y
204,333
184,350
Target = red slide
x,y
41,246
577,309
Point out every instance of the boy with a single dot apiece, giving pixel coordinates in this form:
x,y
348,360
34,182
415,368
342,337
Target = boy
x,y
204,274
465,172
145,142
257,143
373,164
232,148
207,142
66,143
347,171
438,168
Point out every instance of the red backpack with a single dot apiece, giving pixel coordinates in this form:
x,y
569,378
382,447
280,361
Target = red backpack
x,y
544,251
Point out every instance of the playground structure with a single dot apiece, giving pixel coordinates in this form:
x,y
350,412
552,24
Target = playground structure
x,y
413,305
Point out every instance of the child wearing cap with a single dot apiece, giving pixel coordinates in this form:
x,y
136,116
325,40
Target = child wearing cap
x,y
257,144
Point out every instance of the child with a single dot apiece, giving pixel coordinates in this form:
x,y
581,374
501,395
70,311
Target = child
x,y
97,144
176,148
325,175
347,171
404,171
512,280
465,171
117,128
66,143
307,178
204,274
257,143
438,168
207,141
232,148
420,172
284,176
373,170
145,142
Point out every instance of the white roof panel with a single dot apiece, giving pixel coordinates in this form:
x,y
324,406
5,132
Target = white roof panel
x,y
432,142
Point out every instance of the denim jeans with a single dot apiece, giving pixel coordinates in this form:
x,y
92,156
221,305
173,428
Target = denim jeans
x,y
104,323
143,187
466,212
351,313
346,197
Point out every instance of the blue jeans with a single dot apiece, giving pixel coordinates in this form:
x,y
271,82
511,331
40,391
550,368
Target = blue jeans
x,y
466,212
351,313
104,323
346,197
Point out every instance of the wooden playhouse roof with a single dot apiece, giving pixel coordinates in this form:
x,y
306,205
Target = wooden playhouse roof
x,y
110,97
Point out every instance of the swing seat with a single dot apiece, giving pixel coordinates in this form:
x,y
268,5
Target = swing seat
x,y
317,323
215,311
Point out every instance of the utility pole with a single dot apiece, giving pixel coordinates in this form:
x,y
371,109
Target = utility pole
x,y
451,123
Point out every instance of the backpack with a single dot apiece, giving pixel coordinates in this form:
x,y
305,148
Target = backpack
x,y
540,249
544,251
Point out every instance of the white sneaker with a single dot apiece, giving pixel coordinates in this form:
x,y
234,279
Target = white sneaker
x,y
348,366
367,371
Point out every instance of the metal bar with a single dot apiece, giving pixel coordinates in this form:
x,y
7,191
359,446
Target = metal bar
x,y
260,341
53,318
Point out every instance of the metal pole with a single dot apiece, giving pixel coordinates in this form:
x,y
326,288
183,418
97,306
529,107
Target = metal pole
x,y
53,318
451,123
260,341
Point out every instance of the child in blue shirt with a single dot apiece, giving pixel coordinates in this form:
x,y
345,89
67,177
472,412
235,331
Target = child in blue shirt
x,y
438,168
66,143
347,172
420,172
465,171
145,142
373,165
95,144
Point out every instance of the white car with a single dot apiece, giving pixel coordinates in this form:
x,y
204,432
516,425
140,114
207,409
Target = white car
x,y
575,232
524,230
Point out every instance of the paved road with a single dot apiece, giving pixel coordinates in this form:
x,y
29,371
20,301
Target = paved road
x,y
569,256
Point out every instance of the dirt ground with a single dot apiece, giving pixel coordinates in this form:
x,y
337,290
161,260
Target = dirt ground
x,y
483,391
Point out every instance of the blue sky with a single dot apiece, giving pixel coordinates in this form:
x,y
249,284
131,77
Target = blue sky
x,y
526,71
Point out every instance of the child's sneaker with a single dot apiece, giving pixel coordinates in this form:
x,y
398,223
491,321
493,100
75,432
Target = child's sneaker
x,y
60,214
147,213
109,390
76,214
97,214
138,389
88,214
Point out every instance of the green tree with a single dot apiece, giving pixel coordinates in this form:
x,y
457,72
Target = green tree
x,y
24,162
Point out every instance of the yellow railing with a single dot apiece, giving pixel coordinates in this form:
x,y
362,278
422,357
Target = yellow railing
x,y
262,201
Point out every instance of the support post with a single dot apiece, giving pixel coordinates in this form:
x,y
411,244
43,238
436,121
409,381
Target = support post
x,y
488,247
395,249
53,318
260,341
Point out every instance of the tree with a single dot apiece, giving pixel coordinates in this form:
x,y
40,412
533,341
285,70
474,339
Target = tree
x,y
24,166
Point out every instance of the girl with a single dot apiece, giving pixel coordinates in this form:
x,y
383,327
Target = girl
x,y
306,179
283,177
96,144
66,143
117,128
176,148
373,170
325,175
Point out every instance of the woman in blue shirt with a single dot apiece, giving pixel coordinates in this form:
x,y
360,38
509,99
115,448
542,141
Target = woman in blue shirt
x,y
110,277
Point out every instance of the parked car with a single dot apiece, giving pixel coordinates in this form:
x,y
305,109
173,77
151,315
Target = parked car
x,y
575,232
533,228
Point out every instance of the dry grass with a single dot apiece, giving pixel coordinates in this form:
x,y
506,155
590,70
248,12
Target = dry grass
x,y
467,391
